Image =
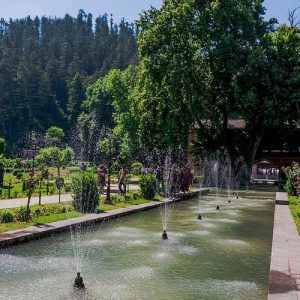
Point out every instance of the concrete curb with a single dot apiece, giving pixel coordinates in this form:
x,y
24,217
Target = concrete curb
x,y
282,198
14,237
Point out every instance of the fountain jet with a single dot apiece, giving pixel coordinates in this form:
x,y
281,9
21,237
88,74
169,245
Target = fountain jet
x,y
164,235
78,282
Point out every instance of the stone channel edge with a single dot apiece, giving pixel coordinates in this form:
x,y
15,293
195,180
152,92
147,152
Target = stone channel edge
x,y
14,237
284,276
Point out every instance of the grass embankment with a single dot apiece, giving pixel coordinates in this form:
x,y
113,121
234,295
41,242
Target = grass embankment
x,y
13,218
38,221
294,203
133,198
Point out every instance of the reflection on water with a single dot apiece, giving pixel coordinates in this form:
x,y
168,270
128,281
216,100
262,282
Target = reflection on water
x,y
224,256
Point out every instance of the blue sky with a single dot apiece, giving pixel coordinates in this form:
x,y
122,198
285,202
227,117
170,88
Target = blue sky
x,y
120,8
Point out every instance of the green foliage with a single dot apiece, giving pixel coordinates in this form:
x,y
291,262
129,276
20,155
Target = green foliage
x,y
292,185
50,209
6,216
294,204
2,170
136,168
116,198
75,99
41,58
202,63
55,157
85,192
21,214
38,213
148,186
2,146
18,173
54,136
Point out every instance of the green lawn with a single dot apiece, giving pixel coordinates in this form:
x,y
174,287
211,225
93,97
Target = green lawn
x,y
108,207
38,221
295,210
56,212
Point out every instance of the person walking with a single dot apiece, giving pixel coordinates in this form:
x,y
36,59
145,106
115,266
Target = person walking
x,y
121,180
101,179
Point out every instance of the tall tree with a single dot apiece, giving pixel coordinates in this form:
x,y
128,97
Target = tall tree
x,y
268,92
76,98
190,54
39,59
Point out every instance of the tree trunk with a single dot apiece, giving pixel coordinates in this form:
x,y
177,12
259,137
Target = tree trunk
x,y
28,204
224,128
254,149
108,200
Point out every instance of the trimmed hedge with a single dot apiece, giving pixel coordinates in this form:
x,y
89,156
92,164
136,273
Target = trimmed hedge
x,y
36,211
148,186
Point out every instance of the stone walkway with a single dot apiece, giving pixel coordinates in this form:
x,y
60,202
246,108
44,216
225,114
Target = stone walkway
x,y
284,280
16,202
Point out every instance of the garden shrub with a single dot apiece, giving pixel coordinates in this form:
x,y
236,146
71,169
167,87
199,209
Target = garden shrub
x,y
136,168
18,173
128,197
116,198
74,170
37,212
136,195
85,192
6,216
148,186
21,213
51,209
68,187
292,185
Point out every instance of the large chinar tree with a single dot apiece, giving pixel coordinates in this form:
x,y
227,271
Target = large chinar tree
x,y
203,62
190,53
267,92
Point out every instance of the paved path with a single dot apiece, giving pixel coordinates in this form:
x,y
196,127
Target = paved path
x,y
284,281
16,202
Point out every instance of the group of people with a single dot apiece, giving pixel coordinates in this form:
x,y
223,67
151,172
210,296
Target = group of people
x,y
122,176
176,179
180,179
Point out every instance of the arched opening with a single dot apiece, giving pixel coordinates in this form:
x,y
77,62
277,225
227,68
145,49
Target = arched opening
x,y
265,170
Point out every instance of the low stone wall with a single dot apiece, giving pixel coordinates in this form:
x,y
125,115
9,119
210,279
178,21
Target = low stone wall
x,y
35,232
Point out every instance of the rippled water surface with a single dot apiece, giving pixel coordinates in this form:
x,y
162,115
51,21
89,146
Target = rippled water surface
x,y
224,256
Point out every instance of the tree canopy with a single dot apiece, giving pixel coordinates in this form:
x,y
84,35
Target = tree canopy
x,y
46,62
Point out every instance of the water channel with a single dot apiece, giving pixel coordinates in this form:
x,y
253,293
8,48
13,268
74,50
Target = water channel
x,y
226,255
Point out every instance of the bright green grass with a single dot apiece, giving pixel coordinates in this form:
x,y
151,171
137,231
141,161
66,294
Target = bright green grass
x,y
38,221
56,217
295,210
13,226
109,207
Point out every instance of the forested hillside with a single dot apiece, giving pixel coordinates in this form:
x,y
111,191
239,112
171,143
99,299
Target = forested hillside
x,y
46,62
